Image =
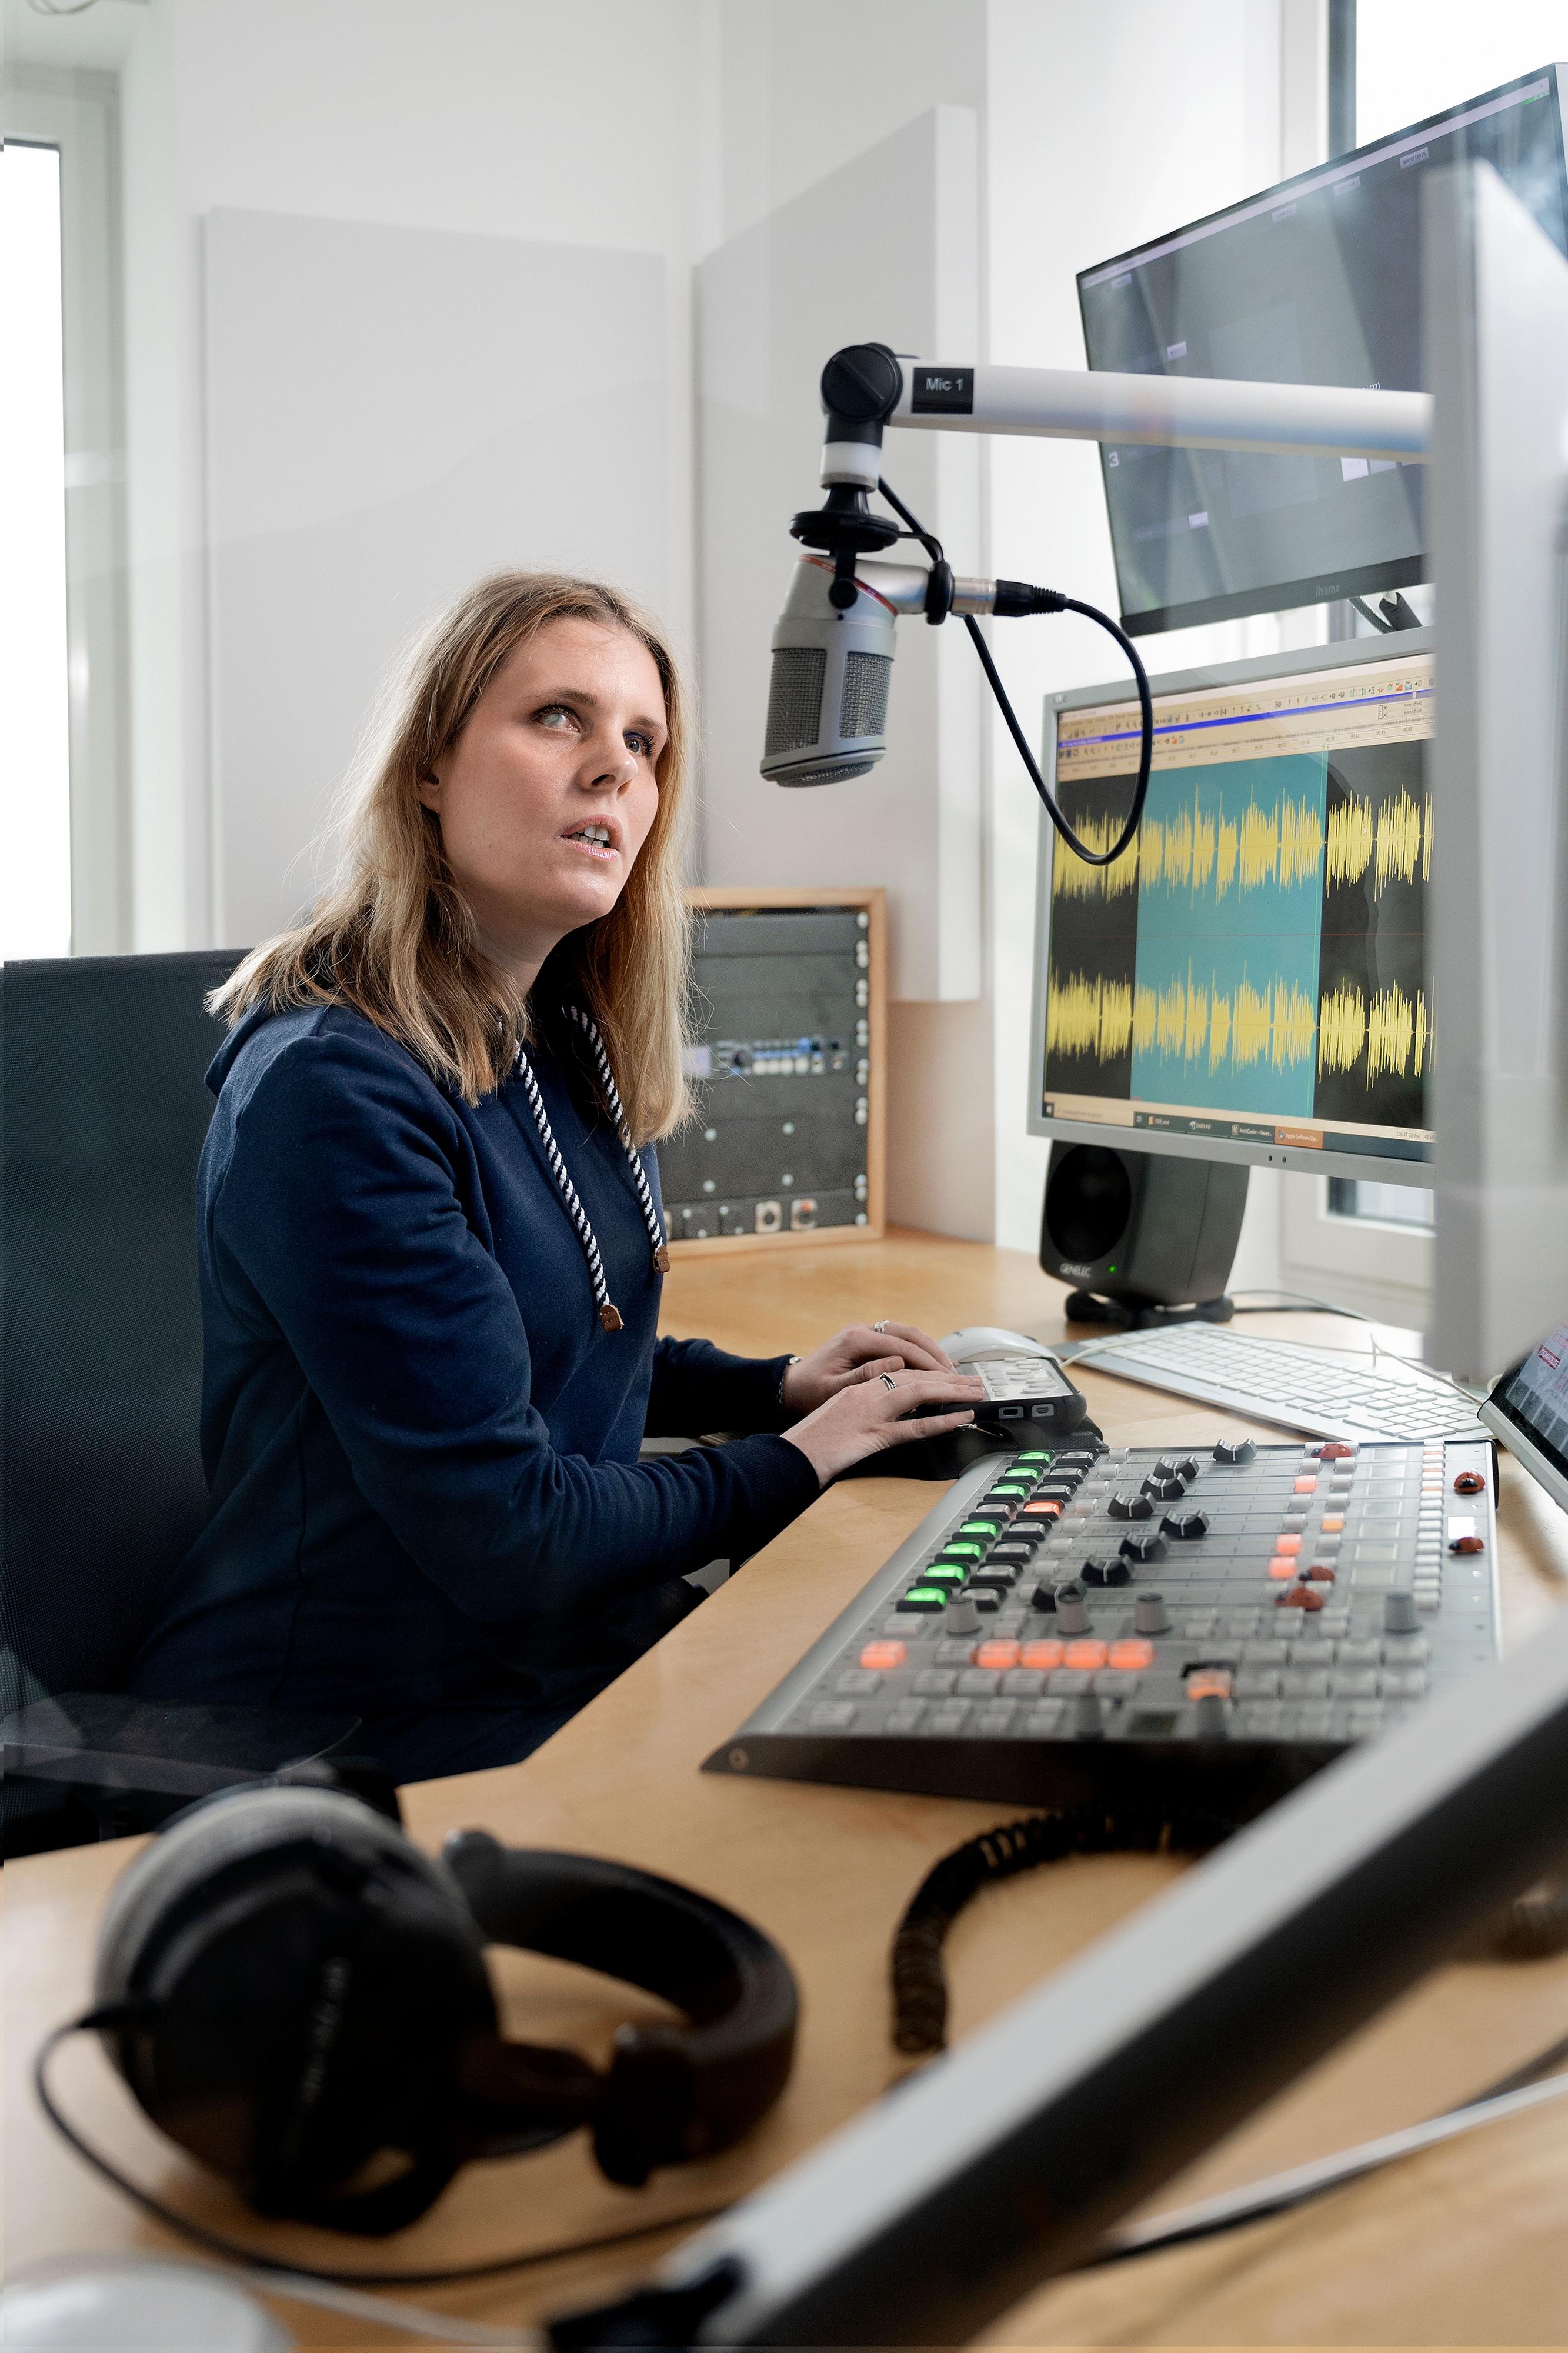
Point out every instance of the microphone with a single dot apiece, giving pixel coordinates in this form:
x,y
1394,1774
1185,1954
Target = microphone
x,y
833,663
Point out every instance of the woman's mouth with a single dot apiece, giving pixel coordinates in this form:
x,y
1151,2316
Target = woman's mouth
x,y
594,838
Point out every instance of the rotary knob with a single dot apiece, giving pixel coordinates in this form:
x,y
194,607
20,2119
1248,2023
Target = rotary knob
x,y
1130,1507
1088,1717
1399,1613
1072,1611
962,1618
1211,1716
1143,1547
1165,1490
1186,1526
1150,1615
1235,1449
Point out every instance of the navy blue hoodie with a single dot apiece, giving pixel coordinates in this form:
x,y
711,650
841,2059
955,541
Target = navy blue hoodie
x,y
427,1503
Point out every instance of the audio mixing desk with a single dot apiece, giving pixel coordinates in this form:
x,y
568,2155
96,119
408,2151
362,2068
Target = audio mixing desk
x,y
1084,1622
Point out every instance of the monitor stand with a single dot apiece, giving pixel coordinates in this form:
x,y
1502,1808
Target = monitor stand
x,y
1143,1315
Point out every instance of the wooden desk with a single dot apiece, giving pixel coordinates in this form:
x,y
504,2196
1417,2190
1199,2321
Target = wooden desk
x,y
1461,2246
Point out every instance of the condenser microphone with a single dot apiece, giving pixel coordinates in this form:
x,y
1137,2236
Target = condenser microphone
x,y
833,661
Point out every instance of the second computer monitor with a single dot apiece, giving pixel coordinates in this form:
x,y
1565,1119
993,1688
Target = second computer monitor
x,y
1249,981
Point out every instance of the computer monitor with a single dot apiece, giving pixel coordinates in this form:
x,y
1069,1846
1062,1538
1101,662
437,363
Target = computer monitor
x,y
1249,981
1314,282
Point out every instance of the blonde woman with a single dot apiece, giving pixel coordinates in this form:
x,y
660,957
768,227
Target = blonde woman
x,y
431,1239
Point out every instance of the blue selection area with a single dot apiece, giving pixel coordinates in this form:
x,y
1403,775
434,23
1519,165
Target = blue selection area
x,y
1229,918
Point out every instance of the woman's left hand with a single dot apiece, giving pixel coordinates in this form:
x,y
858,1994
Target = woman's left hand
x,y
858,1354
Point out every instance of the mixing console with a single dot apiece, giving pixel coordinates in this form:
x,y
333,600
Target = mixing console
x,y
1087,1621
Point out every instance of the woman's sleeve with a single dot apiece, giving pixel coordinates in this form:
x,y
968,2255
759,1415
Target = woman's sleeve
x,y
339,1222
698,1387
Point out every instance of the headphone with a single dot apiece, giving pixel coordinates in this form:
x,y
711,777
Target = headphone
x,y
298,1996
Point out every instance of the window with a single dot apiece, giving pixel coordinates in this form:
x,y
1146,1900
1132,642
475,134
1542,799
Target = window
x,y
35,875
1411,63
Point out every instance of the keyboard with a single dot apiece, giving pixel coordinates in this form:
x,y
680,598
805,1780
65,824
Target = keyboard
x,y
1314,1390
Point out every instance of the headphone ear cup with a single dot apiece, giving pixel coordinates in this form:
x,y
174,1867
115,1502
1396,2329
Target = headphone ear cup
x,y
310,1982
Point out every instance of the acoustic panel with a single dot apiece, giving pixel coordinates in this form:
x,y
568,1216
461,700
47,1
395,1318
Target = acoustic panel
x,y
392,412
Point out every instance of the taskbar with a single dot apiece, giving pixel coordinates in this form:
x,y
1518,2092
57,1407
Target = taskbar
x,y
1295,1135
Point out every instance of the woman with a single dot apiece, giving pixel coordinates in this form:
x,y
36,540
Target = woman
x,y
430,1234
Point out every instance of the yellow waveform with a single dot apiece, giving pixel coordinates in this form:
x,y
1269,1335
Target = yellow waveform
x,y
1072,879
1199,1024
1392,1035
1196,851
1089,1016
1394,841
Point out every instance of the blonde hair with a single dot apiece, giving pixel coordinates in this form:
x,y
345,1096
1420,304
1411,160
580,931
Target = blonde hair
x,y
396,941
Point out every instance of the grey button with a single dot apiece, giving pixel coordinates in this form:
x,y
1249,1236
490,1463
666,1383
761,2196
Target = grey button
x,y
953,1654
1402,1683
1355,1682
934,1683
1312,1650
1115,1683
1045,1721
1263,1654
1257,1721
831,1716
1066,1682
1364,1723
977,1683
947,1717
857,1682
1316,1723
1257,1682
1023,1683
905,1717
1360,1654
995,1716
1306,1682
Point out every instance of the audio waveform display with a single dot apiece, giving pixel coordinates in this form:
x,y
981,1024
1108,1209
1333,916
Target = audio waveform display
x,y
1392,1037
1199,848
1071,878
1189,1020
1394,839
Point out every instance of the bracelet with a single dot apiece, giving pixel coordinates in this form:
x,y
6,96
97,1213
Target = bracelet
x,y
782,1377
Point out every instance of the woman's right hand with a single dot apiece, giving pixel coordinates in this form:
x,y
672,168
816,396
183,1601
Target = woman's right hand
x,y
869,1416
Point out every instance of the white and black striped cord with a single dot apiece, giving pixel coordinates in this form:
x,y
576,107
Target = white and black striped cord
x,y
650,1216
609,1313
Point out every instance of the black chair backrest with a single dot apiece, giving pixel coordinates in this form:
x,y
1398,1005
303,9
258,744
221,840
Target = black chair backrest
x,y
102,1060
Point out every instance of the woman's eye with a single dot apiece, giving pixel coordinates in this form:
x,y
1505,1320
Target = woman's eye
x,y
556,715
640,743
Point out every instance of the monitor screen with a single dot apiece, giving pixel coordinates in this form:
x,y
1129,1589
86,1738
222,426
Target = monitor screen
x,y
1248,980
1532,1401
1311,282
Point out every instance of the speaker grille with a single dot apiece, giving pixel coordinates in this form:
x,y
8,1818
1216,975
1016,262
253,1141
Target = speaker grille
x,y
1089,1200
794,699
864,709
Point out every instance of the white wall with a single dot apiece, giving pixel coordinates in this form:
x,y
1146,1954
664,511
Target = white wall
x,y
580,126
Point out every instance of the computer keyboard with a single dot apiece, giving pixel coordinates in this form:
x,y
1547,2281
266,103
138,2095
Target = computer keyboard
x,y
1314,1390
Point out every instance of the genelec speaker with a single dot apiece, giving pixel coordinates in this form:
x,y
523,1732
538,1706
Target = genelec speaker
x,y
1149,1239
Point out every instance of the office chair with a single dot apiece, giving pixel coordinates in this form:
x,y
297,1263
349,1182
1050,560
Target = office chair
x,y
102,1068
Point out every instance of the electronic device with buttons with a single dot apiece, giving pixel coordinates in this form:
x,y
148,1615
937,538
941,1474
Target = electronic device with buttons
x,y
1080,1620
1026,1394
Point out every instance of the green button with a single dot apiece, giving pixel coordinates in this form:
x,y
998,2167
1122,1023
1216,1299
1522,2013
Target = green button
x,y
956,1551
1025,1487
1035,1455
944,1572
924,1597
982,1528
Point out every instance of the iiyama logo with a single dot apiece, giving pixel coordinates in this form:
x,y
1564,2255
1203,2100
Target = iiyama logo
x,y
1070,1266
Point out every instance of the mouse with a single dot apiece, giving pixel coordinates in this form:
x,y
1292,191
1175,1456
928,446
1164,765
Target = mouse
x,y
976,1341
105,2305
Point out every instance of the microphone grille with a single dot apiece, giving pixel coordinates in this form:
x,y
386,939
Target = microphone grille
x,y
794,699
864,708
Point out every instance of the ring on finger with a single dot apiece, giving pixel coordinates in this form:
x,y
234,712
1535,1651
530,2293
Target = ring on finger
x,y
887,1380
878,1327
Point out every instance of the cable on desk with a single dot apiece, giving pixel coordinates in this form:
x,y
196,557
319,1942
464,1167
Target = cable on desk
x,y
216,2242
919,1979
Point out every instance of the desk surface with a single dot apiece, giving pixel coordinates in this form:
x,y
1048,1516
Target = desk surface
x,y
1460,2246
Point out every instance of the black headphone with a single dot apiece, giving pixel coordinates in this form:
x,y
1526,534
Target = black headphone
x,y
298,1997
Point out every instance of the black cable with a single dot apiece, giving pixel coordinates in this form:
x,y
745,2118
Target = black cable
x,y
1366,610
1058,604
216,2243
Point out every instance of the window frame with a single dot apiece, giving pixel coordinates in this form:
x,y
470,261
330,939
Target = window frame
x,y
1382,1269
77,113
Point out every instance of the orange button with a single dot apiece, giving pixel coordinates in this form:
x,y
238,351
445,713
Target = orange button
x,y
1306,1486
1208,1683
1287,1544
1332,1523
1085,1654
883,1656
1132,1654
1282,1565
996,1654
1041,1511
1040,1654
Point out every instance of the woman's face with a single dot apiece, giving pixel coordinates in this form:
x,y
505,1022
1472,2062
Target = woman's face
x,y
549,793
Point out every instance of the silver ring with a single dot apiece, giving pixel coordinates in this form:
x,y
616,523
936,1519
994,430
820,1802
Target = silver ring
x,y
887,1380
878,1327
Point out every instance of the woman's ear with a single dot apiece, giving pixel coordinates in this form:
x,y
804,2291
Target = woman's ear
x,y
428,788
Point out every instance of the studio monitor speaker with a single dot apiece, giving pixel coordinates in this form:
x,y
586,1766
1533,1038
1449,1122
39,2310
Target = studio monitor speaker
x,y
1148,1238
